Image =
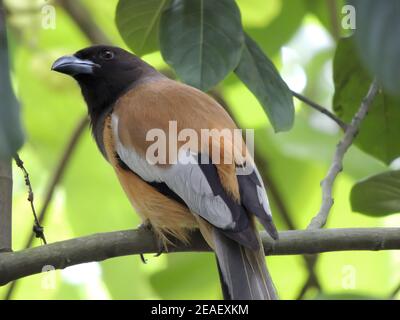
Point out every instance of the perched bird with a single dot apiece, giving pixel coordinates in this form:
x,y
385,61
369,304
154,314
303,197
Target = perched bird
x,y
127,98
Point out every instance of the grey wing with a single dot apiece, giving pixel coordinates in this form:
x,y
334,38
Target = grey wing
x,y
199,186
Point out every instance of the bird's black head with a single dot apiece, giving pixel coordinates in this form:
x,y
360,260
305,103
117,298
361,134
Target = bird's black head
x,y
104,73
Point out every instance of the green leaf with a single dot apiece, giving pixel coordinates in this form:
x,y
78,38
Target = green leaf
x,y
202,40
138,23
380,130
11,136
378,195
261,77
377,36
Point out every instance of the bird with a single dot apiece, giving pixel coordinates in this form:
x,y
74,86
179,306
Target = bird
x,y
128,100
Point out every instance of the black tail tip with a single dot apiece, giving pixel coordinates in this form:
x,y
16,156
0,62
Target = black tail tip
x,y
270,228
273,233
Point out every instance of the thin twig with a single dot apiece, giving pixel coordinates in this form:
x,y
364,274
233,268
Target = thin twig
x,y
55,180
104,246
337,164
37,227
321,109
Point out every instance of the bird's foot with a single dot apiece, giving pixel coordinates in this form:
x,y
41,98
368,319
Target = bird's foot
x,y
144,260
146,225
160,249
160,246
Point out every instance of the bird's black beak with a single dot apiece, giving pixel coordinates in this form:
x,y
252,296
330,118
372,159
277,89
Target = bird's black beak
x,y
73,66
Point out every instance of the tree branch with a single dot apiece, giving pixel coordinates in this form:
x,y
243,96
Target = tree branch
x,y
5,164
337,165
5,205
104,246
321,109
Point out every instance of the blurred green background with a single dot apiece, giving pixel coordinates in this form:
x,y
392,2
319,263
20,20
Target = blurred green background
x,y
300,37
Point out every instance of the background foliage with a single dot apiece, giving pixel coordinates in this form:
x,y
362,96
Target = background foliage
x,y
301,37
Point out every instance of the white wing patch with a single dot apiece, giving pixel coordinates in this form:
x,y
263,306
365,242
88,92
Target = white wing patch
x,y
262,194
132,159
262,197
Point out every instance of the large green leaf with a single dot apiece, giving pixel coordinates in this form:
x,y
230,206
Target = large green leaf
x,y
138,23
378,195
11,136
202,40
261,77
380,131
377,36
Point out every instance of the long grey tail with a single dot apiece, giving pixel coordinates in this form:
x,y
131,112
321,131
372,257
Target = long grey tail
x,y
243,272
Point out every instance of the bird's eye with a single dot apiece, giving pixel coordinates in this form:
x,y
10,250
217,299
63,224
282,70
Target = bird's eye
x,y
107,55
